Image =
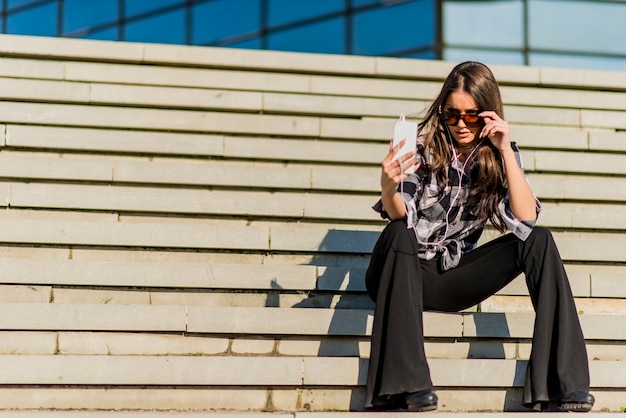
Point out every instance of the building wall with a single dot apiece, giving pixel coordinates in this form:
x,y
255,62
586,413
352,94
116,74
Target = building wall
x,y
562,33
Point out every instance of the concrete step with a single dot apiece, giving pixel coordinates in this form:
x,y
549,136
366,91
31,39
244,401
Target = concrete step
x,y
111,370
284,177
134,343
146,414
153,414
276,321
259,147
520,102
162,119
108,230
311,126
166,97
259,383
264,174
290,204
38,269
276,298
224,401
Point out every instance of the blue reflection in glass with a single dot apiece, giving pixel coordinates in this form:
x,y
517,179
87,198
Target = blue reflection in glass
x,y
484,56
583,26
224,18
135,7
357,3
281,12
577,61
39,21
249,44
168,28
326,37
103,35
395,28
17,3
424,55
484,23
80,14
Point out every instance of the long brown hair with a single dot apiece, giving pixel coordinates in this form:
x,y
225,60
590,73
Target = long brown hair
x,y
488,185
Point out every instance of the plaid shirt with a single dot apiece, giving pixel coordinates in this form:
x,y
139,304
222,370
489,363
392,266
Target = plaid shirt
x,y
427,209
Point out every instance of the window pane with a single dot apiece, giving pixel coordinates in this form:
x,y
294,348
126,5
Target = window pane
x,y
16,3
80,14
484,23
103,35
356,3
135,7
400,27
424,55
326,37
582,26
573,61
486,57
249,44
223,18
287,11
40,21
168,28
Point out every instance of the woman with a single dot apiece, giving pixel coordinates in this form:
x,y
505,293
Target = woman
x,y
468,172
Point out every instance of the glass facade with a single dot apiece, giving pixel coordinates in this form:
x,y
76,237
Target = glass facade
x,y
558,33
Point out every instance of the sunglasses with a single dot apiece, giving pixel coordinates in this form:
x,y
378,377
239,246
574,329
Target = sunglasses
x,y
471,119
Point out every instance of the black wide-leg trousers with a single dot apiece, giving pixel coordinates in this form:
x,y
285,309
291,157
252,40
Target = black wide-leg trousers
x,y
403,286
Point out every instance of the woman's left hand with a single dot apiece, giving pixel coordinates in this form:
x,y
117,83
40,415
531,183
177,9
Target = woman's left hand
x,y
496,129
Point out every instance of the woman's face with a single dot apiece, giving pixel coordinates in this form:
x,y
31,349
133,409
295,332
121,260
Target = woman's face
x,y
461,103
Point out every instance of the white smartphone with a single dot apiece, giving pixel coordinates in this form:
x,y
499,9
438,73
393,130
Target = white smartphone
x,y
405,130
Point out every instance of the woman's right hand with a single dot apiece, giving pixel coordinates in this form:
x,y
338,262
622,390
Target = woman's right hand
x,y
393,170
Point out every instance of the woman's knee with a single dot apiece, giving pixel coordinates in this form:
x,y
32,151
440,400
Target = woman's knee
x,y
542,236
395,226
535,247
398,236
540,252
394,239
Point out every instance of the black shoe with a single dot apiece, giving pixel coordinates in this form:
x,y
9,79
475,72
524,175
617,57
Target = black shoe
x,y
579,401
388,403
424,400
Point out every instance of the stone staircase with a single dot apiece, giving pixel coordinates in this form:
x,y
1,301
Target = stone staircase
x,y
186,230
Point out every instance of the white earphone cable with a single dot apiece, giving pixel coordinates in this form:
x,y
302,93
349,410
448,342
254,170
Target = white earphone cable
x,y
458,192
